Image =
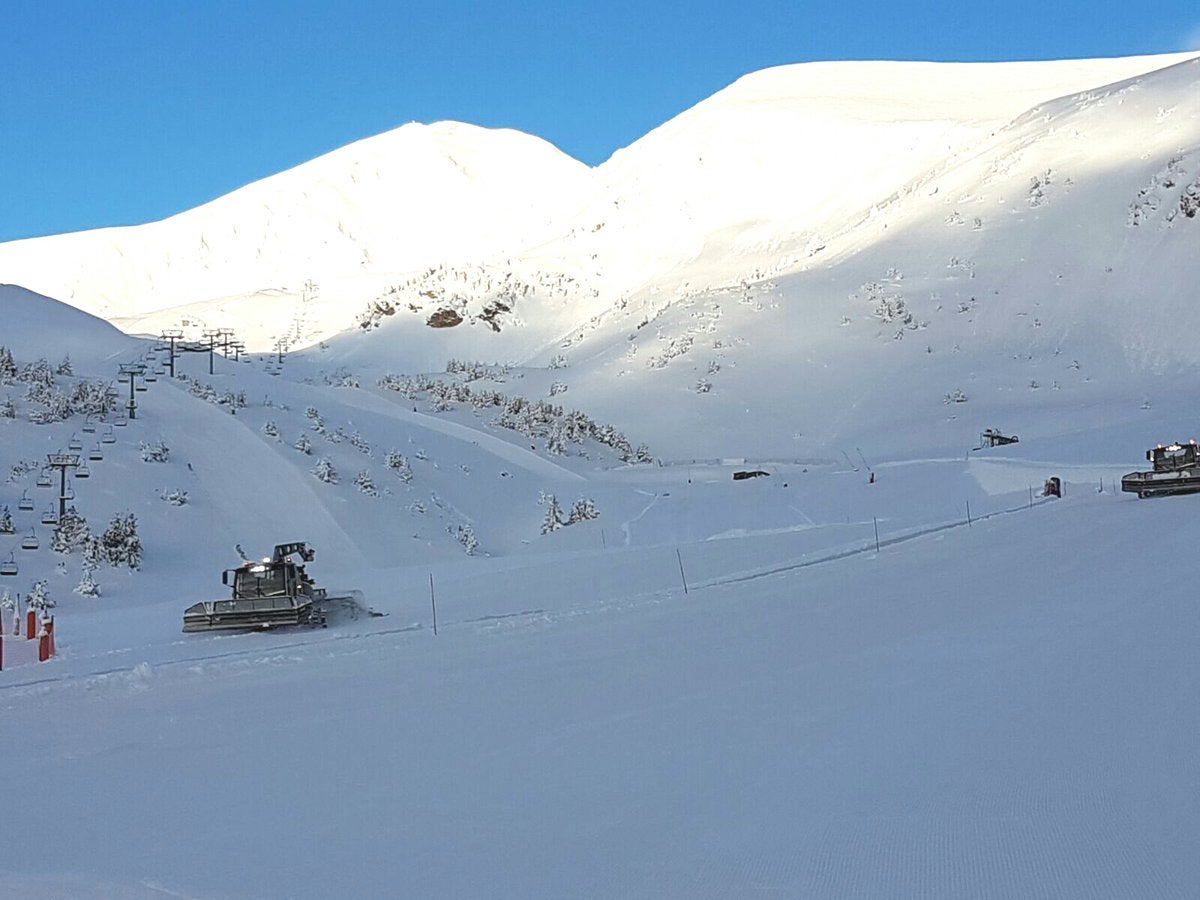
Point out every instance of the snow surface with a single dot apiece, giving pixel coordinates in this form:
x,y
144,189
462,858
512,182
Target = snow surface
x,y
933,682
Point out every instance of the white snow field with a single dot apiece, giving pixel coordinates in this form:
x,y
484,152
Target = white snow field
x,y
889,667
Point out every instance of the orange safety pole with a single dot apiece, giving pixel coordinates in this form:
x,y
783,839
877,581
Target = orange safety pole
x,y
48,624
30,625
43,646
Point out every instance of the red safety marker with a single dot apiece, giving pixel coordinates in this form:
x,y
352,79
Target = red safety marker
x,y
30,625
43,647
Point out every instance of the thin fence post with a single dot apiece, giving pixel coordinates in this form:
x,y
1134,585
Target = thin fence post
x,y
433,603
682,576
968,513
1031,496
875,519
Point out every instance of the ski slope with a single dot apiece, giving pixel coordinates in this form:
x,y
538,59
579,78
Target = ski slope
x,y
995,709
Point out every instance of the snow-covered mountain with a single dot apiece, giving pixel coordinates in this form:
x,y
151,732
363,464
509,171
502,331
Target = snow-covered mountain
x,y
780,163
885,665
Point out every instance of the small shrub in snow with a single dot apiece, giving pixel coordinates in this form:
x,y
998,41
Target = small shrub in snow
x,y
365,484
56,407
584,509
342,378
174,496
1189,200
6,522
156,451
325,471
270,429
233,399
398,463
957,396
8,409
303,444
466,537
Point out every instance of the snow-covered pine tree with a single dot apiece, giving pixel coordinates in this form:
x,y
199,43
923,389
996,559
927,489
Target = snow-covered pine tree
x,y
37,374
93,398
325,471
87,586
554,516
39,597
303,444
584,508
270,429
57,406
6,522
64,367
121,543
72,531
8,368
8,409
93,552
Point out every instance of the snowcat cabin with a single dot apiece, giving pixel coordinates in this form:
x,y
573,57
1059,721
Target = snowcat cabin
x,y
262,580
1173,457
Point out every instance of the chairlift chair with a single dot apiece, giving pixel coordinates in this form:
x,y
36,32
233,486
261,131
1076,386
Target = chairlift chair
x,y
75,444
68,493
121,421
89,427
30,541
83,471
50,516
44,480
140,387
96,453
26,502
108,437
150,376
9,566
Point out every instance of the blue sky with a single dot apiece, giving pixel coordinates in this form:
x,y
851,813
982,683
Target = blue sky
x,y
121,112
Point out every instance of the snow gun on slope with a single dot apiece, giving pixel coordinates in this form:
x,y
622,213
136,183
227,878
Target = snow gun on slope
x,y
268,594
1176,471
